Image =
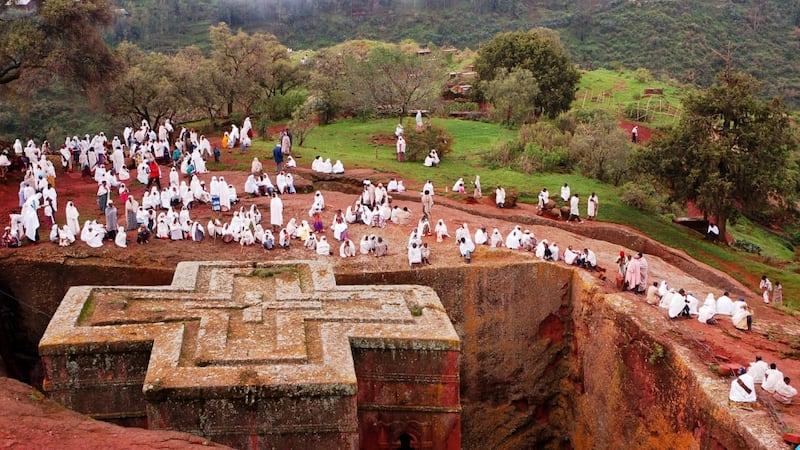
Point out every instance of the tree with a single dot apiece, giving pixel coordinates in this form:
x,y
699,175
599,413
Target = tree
x,y
601,149
249,66
194,73
541,52
393,80
729,150
60,37
513,94
147,88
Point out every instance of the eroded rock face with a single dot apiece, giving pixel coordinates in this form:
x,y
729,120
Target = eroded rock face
x,y
548,361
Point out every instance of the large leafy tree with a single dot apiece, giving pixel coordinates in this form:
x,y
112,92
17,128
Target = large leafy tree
x,y
250,67
541,52
391,79
147,88
59,36
730,149
513,94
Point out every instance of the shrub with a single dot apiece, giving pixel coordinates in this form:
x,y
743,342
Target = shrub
x,y
419,143
504,154
536,158
644,197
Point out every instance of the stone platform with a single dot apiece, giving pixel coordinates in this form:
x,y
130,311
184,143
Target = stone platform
x,y
258,355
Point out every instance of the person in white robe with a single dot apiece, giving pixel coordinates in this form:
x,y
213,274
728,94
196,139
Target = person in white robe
x,y
743,388
66,236
772,377
555,252
316,165
338,168
458,186
326,166
513,240
233,136
725,304
481,237
250,186
93,234
497,239
466,248
323,247
276,212
280,182
758,369
30,217
742,316
678,305
392,185
141,173
591,207
500,197
440,230
366,245
418,120
693,303
414,254
197,233
705,314
784,392
340,229
224,194
290,162
541,248
347,249
247,237
528,241
565,193
121,239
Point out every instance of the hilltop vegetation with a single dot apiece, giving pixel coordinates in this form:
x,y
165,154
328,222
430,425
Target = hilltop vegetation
x,y
686,40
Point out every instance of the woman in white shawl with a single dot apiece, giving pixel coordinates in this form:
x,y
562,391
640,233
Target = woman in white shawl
x,y
276,212
338,167
65,236
93,234
224,194
141,173
30,217
197,233
72,218
441,230
496,239
347,249
121,240
250,186
199,162
256,167
326,167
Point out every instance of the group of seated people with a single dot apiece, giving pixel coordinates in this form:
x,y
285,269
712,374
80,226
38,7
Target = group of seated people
x,y
681,303
325,166
771,379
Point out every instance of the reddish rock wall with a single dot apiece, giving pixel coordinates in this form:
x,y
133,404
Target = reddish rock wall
x,y
550,362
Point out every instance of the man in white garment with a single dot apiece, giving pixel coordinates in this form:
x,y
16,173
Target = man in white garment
x,y
565,193
743,388
276,212
574,213
757,369
725,304
771,378
784,392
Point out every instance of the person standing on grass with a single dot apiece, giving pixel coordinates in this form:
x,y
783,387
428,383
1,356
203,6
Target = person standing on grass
x,y
401,148
766,287
591,207
777,294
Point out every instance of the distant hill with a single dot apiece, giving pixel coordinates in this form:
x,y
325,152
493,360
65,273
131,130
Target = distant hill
x,y
681,39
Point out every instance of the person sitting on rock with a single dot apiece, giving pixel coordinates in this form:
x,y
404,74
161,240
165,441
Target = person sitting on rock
x,y
713,232
757,369
743,388
784,393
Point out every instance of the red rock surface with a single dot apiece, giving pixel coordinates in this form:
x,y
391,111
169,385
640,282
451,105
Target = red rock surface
x,y
30,421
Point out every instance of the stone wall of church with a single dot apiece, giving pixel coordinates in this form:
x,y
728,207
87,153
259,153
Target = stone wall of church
x,y
550,361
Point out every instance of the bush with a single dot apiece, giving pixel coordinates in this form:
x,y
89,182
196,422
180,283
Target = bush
x,y
536,158
419,143
644,197
504,154
747,246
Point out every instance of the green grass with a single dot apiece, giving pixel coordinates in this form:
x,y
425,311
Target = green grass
x,y
613,90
